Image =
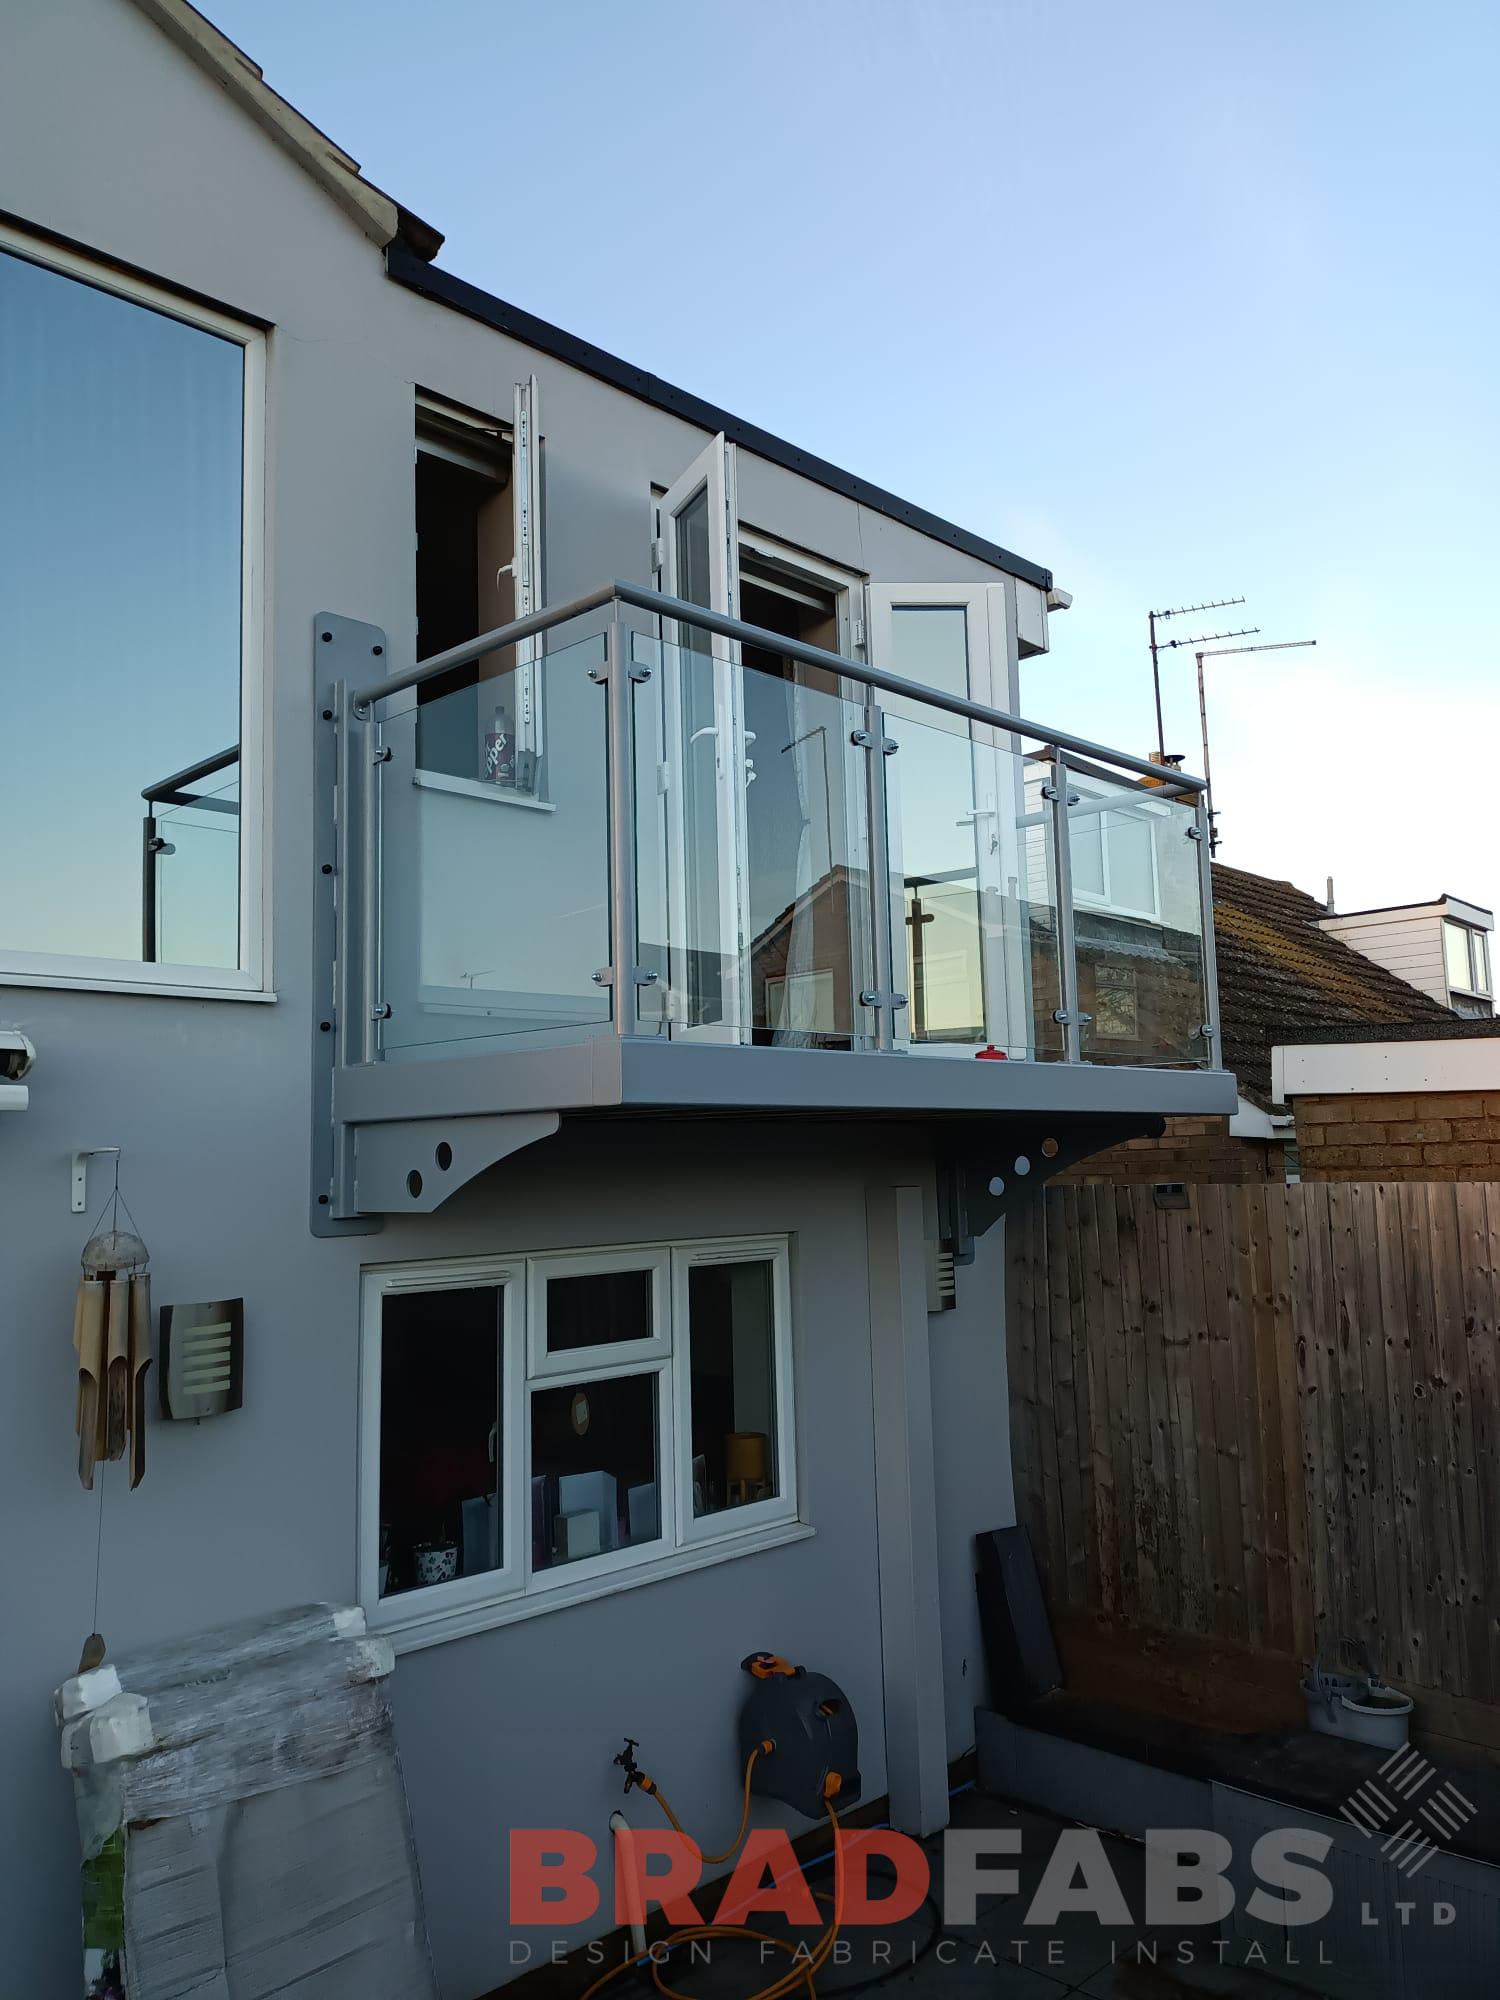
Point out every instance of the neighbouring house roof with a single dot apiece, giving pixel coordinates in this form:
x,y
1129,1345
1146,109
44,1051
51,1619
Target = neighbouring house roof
x,y
1284,979
410,244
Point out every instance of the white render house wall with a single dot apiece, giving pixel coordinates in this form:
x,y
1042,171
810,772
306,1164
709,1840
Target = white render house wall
x,y
112,139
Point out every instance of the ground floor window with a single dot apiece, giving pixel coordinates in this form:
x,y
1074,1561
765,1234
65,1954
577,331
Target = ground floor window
x,y
535,1428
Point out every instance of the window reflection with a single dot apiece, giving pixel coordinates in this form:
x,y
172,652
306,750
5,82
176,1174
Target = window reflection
x,y
121,443
732,1321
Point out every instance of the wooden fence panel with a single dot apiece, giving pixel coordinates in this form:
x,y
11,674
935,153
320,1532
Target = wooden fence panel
x,y
1269,1420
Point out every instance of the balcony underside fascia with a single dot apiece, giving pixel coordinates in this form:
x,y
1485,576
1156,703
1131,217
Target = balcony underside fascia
x,y
416,1131
654,1073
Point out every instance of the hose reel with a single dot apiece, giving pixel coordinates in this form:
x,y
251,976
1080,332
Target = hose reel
x,y
809,1722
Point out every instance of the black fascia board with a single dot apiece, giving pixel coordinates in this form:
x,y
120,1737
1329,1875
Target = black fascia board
x,y
419,276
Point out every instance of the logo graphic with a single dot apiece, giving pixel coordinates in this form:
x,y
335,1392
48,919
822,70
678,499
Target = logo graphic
x,y
1393,1794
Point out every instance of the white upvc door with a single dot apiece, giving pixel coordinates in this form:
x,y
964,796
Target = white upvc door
x,y
955,834
707,764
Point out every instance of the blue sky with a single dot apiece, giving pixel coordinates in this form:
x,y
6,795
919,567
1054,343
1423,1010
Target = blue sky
x,y
1182,300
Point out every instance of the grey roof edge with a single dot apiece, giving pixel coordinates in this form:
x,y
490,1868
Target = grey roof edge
x,y
418,274
1481,1029
1396,909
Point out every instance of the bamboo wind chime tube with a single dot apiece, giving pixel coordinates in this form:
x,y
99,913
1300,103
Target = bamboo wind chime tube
x,y
112,1337
88,1339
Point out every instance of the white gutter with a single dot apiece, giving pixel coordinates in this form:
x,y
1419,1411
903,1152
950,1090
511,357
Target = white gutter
x,y
1250,1122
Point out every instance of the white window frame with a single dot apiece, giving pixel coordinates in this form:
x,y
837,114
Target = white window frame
x,y
451,1275
525,570
1086,899
618,1357
1477,958
782,1506
426,1616
845,586
251,979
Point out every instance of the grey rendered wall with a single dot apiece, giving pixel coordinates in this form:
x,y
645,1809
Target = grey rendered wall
x,y
108,135
975,1490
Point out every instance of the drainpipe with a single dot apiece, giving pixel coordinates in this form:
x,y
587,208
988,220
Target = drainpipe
x,y
619,1824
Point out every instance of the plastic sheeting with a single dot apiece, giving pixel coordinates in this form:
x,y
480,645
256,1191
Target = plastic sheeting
x,y
244,1823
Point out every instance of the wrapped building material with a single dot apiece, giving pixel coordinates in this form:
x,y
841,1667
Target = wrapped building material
x,y
244,1823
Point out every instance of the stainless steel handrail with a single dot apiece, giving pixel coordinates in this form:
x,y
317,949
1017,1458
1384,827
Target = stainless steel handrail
x,y
658,604
165,790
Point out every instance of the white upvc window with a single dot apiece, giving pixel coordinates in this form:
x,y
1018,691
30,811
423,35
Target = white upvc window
x,y
1113,852
540,1429
1466,957
131,650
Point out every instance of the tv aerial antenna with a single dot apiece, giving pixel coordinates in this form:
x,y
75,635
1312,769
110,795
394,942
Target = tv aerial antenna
x,y
1168,645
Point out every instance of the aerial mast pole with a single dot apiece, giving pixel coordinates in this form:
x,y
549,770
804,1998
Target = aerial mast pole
x,y
1158,646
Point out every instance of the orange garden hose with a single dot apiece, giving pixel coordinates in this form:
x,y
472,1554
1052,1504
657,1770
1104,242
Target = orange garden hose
x,y
794,1976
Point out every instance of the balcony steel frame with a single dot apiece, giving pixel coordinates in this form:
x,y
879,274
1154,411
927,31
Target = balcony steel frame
x,y
618,1067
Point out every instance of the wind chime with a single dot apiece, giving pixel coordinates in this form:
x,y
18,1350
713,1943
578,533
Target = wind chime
x,y
112,1336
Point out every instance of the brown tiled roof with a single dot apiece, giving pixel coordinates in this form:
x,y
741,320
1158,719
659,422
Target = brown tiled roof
x,y
1279,974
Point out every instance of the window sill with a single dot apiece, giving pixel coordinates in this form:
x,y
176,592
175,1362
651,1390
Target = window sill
x,y
410,1632
473,788
77,982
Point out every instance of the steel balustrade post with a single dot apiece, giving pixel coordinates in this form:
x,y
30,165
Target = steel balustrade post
x,y
148,887
620,762
1067,943
364,743
1203,833
882,923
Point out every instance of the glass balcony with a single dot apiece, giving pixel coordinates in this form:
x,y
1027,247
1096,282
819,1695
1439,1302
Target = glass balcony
x,y
812,861
191,865
493,904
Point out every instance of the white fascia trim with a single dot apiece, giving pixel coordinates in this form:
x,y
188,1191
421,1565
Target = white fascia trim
x,y
1359,1069
241,79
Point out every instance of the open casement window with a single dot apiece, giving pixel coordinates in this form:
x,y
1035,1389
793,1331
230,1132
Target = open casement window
x,y
531,1427
704,767
962,850
478,565
753,904
805,883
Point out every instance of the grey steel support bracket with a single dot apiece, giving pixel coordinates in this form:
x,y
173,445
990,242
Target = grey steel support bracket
x,y
979,1186
411,1166
346,653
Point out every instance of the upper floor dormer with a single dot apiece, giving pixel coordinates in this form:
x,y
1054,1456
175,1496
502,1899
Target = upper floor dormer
x,y
550,742
1442,948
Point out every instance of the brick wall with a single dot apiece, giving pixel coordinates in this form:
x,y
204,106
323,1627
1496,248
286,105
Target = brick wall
x,y
1198,1150
1434,1136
